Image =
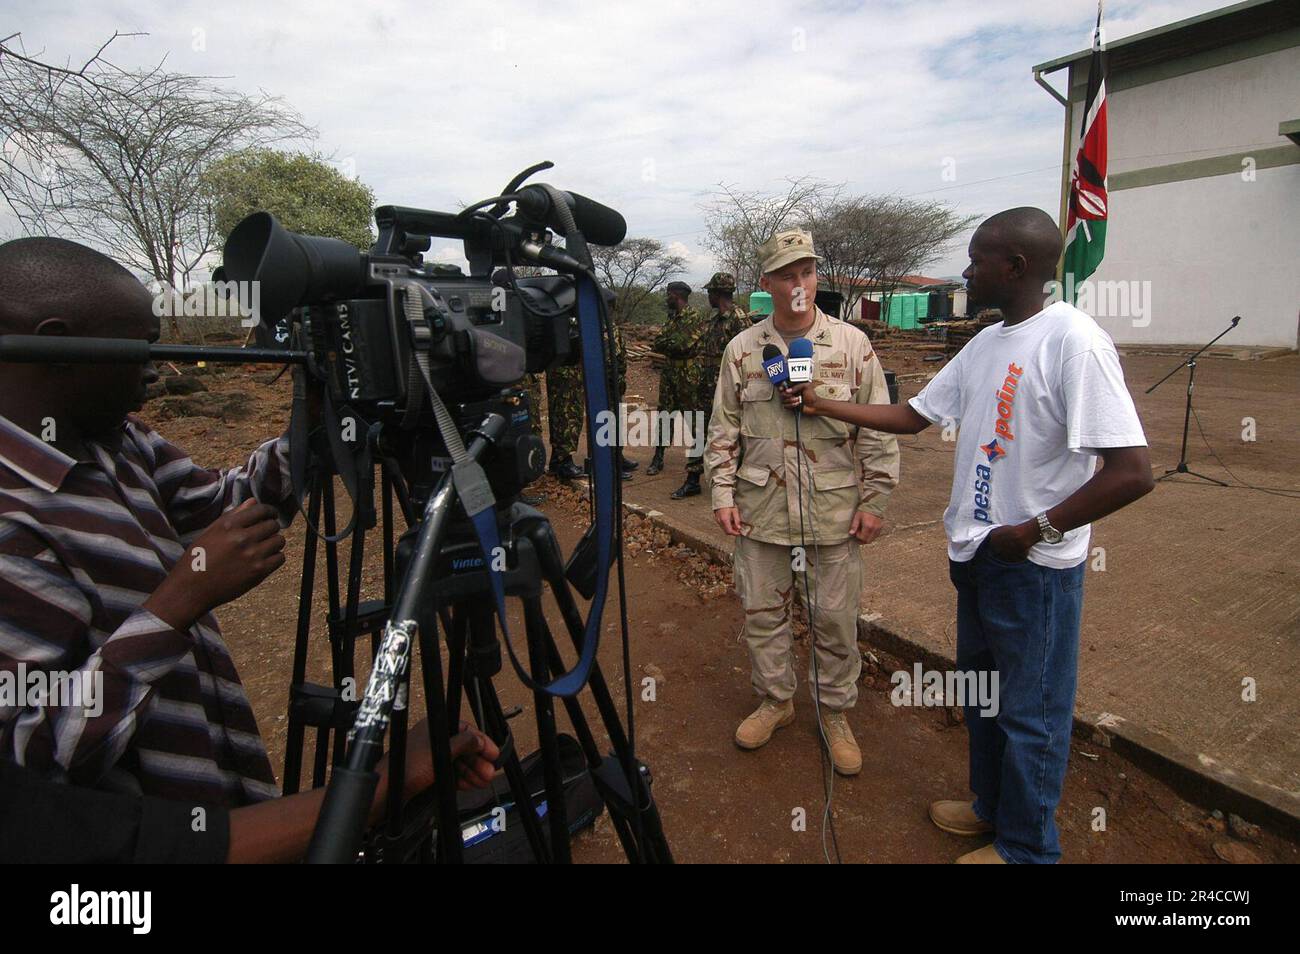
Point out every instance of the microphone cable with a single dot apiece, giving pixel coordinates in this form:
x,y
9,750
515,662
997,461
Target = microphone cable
x,y
810,602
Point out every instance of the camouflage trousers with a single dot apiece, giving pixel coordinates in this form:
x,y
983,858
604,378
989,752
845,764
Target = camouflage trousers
x,y
678,389
565,408
702,405
765,582
565,411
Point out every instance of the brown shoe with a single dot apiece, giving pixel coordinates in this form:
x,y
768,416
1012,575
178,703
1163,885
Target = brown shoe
x,y
958,818
988,855
845,754
757,729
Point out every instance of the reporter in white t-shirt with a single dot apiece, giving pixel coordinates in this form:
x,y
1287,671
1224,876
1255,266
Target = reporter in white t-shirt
x,y
1037,397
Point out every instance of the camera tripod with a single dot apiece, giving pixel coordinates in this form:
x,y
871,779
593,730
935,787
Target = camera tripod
x,y
445,585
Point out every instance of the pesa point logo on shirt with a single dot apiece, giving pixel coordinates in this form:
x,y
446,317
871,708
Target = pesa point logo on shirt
x,y
995,450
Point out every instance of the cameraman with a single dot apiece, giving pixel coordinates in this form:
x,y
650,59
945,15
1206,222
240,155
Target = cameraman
x,y
114,550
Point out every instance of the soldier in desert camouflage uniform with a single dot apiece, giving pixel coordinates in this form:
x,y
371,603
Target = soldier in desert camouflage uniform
x,y
824,493
679,380
725,322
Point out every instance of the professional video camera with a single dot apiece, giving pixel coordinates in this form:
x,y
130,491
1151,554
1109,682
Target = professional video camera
x,y
382,328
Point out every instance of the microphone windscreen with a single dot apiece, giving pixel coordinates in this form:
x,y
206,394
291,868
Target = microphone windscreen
x,y
800,364
774,365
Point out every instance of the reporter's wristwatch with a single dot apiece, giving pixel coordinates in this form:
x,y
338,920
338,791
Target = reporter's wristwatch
x,y
1049,533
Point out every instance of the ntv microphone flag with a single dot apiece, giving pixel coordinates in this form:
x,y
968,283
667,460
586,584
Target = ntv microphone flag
x,y
1085,232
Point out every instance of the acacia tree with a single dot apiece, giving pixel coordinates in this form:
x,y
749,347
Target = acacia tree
x,y
634,270
117,157
873,241
738,221
304,192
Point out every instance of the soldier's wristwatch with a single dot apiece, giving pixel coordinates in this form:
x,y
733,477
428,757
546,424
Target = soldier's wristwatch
x,y
1049,533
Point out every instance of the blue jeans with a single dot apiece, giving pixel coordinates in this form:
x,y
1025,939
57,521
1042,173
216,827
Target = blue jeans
x,y
1020,620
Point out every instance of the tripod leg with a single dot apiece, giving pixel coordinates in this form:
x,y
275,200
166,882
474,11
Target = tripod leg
x,y
294,743
652,846
449,835
484,662
548,737
590,749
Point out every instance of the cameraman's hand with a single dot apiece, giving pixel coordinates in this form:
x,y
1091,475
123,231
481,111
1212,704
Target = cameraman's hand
x,y
472,754
240,549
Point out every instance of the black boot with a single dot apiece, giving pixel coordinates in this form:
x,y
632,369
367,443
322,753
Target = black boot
x,y
689,489
656,463
629,465
564,468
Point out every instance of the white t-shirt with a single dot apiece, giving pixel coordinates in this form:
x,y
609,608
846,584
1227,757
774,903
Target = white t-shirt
x,y
1034,403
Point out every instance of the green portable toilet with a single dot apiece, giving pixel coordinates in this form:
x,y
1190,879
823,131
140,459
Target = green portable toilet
x,y
909,312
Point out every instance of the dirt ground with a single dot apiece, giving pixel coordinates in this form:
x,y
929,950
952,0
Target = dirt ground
x,y
718,803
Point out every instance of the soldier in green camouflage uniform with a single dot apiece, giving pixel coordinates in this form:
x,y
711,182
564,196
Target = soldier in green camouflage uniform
x,y
679,379
725,322
565,408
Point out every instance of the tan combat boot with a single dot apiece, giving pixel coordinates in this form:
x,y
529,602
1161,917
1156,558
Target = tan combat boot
x,y
988,855
845,754
958,818
763,721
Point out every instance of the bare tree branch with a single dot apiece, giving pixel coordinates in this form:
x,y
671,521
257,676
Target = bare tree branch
x,y
737,221
116,157
634,270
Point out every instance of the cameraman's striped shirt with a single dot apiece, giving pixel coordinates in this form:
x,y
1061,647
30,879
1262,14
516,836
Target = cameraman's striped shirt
x,y
82,545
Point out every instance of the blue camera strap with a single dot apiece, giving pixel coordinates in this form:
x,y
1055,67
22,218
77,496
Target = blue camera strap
x,y
479,502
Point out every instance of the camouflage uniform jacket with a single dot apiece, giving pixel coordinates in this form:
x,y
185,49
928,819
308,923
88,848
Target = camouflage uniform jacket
x,y
752,459
722,327
679,381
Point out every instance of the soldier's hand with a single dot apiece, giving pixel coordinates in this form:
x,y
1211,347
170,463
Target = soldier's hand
x,y
801,396
865,526
729,520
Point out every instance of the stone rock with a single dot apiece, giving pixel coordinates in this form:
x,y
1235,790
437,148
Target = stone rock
x,y
232,406
1235,853
1238,827
182,384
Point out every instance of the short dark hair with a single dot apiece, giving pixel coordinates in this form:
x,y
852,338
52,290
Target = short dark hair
x,y
44,274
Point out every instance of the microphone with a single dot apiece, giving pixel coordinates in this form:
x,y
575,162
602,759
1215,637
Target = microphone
x,y
801,361
599,224
774,365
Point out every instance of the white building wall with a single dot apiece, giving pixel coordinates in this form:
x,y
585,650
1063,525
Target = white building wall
x,y
1201,251
1211,247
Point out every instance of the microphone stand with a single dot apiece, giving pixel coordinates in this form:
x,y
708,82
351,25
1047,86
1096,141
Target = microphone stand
x,y
1190,364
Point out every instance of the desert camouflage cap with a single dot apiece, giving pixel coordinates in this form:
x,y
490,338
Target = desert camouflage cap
x,y
785,247
722,281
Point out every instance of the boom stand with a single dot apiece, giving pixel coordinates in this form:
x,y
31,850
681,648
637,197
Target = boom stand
x,y
1190,364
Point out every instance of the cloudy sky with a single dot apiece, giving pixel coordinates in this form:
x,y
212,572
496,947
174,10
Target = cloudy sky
x,y
645,106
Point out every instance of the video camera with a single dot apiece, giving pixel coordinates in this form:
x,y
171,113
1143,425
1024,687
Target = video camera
x,y
382,329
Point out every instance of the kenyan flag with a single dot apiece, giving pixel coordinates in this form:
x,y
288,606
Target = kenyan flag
x,y
1085,231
